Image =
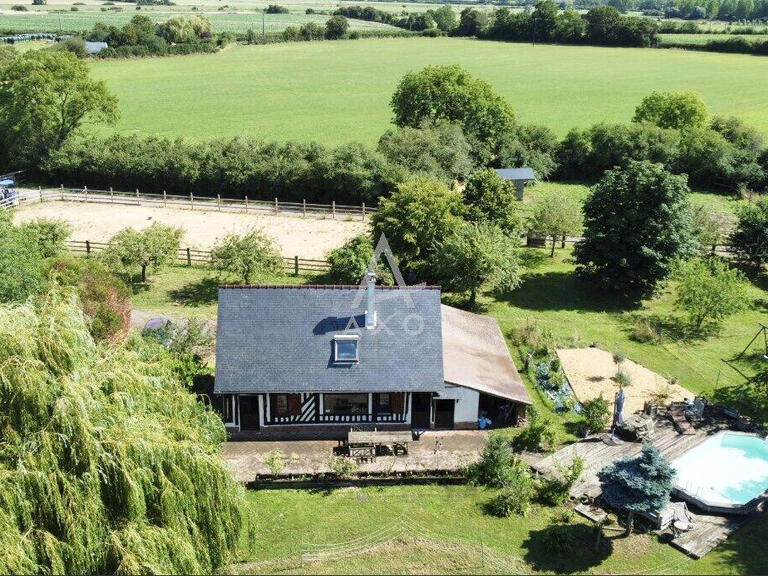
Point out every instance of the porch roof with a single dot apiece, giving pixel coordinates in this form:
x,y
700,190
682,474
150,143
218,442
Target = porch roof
x,y
475,355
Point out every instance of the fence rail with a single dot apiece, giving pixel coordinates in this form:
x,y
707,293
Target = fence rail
x,y
195,256
192,202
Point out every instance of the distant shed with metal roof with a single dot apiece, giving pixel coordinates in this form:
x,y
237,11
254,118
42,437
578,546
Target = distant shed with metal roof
x,y
519,176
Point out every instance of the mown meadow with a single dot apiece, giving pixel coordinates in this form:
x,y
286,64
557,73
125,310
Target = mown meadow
x,y
336,92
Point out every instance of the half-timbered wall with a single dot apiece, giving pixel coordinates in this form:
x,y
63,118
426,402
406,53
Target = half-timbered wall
x,y
307,408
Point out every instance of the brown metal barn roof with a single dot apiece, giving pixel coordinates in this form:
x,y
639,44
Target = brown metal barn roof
x,y
476,356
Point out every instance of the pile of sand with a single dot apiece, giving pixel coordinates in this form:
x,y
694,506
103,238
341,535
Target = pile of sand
x,y
590,372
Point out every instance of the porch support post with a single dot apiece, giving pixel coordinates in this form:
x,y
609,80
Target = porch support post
x,y
262,405
370,407
408,397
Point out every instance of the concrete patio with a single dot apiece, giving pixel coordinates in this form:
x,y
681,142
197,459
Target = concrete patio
x,y
434,451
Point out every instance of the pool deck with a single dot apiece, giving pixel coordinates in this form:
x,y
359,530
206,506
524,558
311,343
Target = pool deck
x,y
710,529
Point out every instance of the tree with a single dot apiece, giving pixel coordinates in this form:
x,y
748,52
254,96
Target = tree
x,y
20,261
636,224
677,110
490,199
544,19
350,262
64,96
336,27
709,290
248,256
640,484
151,248
51,235
477,255
472,22
445,18
450,93
415,218
556,215
496,464
749,241
441,151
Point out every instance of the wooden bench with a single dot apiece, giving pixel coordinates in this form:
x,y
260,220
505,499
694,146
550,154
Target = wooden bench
x,y
680,421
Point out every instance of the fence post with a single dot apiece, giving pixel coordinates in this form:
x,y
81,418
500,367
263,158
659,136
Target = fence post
x,y
714,249
191,201
87,248
165,199
246,204
62,192
111,195
276,209
562,244
138,201
218,201
363,211
85,193
40,192
296,265
304,207
189,258
333,209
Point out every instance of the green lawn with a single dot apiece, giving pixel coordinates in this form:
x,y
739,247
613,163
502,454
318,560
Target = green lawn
x,y
443,529
336,92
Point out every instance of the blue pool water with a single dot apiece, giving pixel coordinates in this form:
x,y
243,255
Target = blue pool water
x,y
728,468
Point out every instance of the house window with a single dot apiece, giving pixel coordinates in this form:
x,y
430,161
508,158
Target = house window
x,y
285,404
345,348
391,402
345,403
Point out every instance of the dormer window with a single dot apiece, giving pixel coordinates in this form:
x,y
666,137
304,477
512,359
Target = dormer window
x,y
345,348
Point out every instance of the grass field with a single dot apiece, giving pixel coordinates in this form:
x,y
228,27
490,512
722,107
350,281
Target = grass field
x,y
336,92
701,39
443,529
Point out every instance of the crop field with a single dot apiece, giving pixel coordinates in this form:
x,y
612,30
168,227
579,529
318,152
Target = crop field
x,y
222,21
337,92
701,39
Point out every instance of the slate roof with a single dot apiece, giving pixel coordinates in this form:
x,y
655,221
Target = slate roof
x,y
475,355
525,174
280,339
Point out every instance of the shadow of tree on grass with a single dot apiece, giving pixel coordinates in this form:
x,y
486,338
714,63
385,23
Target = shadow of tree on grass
x,y
578,543
200,293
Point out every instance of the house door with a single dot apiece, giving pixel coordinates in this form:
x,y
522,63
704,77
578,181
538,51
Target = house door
x,y
444,413
249,412
420,403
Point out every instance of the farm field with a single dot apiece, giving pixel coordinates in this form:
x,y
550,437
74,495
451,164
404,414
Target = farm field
x,y
222,21
327,91
443,529
701,39
296,236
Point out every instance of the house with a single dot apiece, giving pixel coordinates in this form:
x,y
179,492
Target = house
x,y
314,360
518,176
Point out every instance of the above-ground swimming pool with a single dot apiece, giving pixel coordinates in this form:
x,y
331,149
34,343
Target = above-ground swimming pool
x,y
725,473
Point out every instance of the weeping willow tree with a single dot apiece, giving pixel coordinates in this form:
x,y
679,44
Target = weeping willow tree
x,y
107,464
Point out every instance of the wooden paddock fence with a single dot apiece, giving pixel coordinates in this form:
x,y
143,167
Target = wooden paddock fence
x,y
192,202
196,257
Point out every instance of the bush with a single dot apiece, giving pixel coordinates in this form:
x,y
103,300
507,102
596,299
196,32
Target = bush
x,y
105,299
19,8
557,491
350,262
539,435
336,27
250,256
623,378
342,466
595,413
276,9
516,495
497,463
275,461
644,331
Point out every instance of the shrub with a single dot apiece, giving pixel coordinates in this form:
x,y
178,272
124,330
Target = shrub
x,y
20,261
336,27
249,256
623,378
595,413
19,8
275,461
350,262
342,466
516,495
496,465
105,299
557,491
276,9
539,435
644,331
